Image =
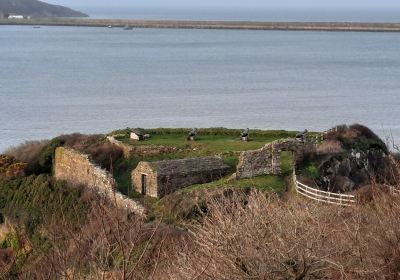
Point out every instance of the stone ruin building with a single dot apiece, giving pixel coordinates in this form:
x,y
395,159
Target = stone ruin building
x,y
267,160
157,179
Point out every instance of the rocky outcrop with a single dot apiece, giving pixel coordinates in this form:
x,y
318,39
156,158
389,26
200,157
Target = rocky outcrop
x,y
349,171
348,159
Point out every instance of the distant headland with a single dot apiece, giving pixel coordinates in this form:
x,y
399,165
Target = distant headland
x,y
25,9
186,24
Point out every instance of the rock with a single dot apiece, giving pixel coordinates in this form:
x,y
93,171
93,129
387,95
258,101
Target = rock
x,y
343,184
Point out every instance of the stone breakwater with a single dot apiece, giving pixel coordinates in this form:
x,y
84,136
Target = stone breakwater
x,y
77,168
300,26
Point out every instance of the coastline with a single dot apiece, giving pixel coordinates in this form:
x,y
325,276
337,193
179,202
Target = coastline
x,y
186,24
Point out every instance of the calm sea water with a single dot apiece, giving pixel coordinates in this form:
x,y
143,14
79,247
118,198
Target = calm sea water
x,y
246,13
57,80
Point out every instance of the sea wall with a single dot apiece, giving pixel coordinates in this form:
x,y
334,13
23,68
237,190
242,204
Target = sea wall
x,y
77,168
187,24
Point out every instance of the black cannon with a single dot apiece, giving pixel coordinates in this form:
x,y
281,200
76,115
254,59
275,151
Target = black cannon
x,y
192,134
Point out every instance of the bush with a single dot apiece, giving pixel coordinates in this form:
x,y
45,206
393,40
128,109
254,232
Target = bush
x,y
10,168
106,154
102,152
31,200
259,237
28,153
357,137
46,156
330,147
313,172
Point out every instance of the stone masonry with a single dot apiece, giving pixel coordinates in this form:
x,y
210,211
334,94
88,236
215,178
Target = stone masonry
x,y
264,161
77,168
140,150
158,179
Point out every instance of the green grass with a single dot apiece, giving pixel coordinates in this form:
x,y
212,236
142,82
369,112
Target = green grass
x,y
286,162
266,182
210,140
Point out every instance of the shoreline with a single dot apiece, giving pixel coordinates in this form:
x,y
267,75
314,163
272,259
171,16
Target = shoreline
x,y
189,24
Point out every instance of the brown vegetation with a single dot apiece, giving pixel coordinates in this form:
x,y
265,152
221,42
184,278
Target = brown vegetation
x,y
256,237
38,154
241,235
10,168
329,147
101,151
29,153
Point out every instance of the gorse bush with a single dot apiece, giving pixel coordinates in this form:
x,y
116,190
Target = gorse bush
x,y
28,153
357,137
10,168
31,200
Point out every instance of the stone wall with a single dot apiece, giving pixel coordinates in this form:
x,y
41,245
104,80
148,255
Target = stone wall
x,y
77,168
164,177
141,150
264,161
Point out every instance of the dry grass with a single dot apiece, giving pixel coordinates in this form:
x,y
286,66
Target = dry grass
x,y
329,147
259,237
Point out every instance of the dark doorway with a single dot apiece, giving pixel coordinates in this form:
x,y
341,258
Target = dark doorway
x,y
144,184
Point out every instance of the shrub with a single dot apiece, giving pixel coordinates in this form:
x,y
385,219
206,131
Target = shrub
x,y
313,171
357,137
105,154
259,237
46,156
31,200
10,169
28,153
329,147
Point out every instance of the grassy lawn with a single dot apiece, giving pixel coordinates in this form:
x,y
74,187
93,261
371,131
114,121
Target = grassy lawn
x,y
267,182
215,140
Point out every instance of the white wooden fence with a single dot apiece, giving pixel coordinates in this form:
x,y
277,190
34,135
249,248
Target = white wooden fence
x,y
393,190
326,197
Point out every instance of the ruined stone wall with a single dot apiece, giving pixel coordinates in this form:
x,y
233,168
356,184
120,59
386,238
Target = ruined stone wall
x,y
259,162
176,174
264,161
77,168
170,183
141,150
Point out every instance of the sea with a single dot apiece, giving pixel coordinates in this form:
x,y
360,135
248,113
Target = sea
x,y
58,80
